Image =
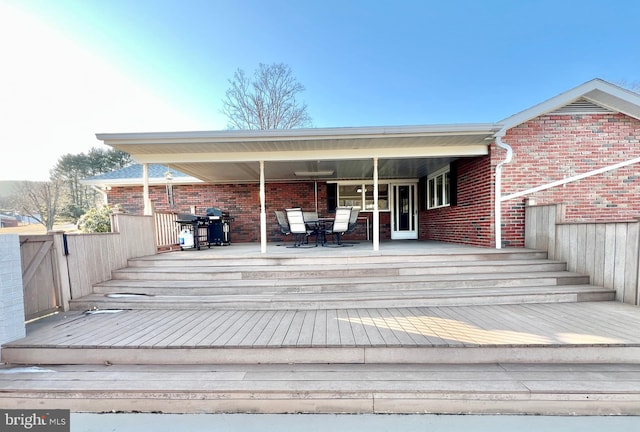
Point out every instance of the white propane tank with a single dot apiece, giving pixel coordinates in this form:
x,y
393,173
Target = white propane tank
x,y
186,239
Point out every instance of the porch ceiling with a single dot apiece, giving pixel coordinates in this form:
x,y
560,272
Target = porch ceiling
x,y
233,156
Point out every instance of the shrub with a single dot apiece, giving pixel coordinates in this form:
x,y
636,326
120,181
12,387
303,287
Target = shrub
x,y
96,220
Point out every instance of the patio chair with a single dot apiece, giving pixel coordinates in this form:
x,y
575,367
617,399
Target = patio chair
x,y
340,224
282,222
353,220
298,227
353,224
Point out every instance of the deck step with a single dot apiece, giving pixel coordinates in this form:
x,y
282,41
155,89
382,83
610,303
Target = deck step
x,y
503,388
332,270
297,281
229,259
329,282
346,300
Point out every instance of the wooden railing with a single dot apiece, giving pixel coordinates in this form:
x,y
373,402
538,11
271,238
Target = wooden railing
x,y
166,229
609,252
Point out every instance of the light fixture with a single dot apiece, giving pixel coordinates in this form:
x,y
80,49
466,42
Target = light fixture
x,y
324,173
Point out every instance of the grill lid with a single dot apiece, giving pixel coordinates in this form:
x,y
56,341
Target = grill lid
x,y
186,217
215,211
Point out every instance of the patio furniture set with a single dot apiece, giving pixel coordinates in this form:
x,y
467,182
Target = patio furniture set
x,y
303,224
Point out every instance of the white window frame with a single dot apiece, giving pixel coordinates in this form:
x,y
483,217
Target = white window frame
x,y
363,193
443,174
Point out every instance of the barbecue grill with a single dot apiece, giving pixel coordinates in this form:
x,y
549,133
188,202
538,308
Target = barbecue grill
x,y
219,227
209,229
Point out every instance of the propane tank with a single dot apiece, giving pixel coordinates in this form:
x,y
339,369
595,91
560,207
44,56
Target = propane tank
x,y
186,239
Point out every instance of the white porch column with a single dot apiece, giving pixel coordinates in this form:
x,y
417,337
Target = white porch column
x,y
376,213
263,212
145,190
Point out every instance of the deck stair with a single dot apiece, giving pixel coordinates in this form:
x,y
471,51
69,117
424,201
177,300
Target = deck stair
x,y
184,281
474,332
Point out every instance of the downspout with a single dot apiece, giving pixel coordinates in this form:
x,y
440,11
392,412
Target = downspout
x,y
498,186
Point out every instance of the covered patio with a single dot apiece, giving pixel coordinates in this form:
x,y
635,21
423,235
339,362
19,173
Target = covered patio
x,y
327,155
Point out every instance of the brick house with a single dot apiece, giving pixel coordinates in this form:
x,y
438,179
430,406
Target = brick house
x,y
439,182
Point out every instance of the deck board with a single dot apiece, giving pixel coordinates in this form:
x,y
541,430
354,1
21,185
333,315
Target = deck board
x,y
333,331
504,325
373,333
207,322
319,338
307,327
269,328
281,330
347,338
244,330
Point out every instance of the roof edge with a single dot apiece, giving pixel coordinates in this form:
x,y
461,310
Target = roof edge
x,y
590,90
308,133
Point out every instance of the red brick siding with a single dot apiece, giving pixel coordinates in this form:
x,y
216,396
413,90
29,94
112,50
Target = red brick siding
x,y
550,148
242,201
471,220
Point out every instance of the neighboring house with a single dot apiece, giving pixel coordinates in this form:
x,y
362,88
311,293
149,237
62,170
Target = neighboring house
x,y
116,185
438,182
8,221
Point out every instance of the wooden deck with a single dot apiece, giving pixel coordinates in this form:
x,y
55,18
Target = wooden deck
x,y
559,357
565,332
565,359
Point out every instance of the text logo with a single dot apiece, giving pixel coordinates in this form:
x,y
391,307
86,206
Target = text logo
x,y
35,420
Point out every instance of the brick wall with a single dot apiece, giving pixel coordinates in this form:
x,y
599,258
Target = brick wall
x,y
550,148
471,220
242,201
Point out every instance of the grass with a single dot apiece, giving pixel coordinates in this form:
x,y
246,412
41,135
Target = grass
x,y
37,229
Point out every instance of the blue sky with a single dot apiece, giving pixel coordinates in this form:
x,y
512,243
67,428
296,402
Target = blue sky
x,y
77,67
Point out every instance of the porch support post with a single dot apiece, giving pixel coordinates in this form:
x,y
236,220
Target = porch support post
x,y
263,212
145,190
376,213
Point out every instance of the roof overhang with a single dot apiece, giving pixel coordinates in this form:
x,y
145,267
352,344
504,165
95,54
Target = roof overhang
x,y
233,156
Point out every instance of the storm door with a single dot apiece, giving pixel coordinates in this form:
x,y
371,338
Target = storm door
x,y
404,214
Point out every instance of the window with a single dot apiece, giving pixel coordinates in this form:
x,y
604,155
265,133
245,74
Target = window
x,y
360,196
439,188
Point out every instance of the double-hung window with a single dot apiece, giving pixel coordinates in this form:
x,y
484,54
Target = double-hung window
x,y
439,188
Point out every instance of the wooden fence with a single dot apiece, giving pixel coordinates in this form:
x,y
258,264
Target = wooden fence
x,y
53,274
609,252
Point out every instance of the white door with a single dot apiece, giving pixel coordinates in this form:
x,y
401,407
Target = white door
x,y
404,214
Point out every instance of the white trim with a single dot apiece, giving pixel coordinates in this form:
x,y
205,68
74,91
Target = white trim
x,y
299,134
597,91
444,170
153,181
263,212
314,155
148,209
376,212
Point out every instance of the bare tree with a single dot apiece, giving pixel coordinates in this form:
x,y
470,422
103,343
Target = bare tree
x,y
634,86
40,200
266,101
